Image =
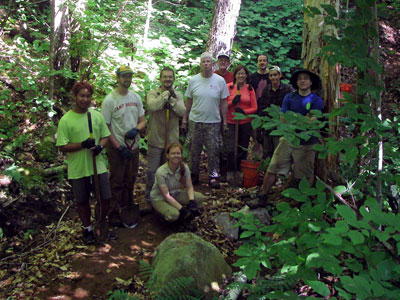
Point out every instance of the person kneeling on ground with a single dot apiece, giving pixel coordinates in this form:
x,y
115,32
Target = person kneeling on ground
x,y
173,195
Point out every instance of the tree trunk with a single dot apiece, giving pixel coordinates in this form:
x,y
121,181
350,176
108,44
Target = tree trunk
x,y
147,24
223,27
313,31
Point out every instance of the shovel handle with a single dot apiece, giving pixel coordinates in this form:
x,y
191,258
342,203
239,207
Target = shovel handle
x,y
95,176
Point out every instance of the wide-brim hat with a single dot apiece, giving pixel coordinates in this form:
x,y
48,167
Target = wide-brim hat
x,y
316,81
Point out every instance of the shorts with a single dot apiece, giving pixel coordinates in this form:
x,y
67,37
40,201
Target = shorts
x,y
302,157
83,186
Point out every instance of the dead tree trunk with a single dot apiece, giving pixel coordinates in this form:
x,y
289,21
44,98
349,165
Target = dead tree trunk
x,y
223,27
313,31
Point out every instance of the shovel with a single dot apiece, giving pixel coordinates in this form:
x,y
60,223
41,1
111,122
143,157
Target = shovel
x,y
235,179
101,228
130,214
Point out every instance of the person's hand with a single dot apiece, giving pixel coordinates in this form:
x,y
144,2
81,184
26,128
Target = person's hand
x,y
167,106
236,99
131,134
89,143
192,205
184,213
184,127
259,136
172,94
225,129
239,110
96,151
125,153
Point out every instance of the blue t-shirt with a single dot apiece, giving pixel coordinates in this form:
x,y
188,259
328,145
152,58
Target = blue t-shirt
x,y
302,105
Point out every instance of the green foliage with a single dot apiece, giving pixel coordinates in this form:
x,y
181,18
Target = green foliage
x,y
120,295
180,288
351,249
271,27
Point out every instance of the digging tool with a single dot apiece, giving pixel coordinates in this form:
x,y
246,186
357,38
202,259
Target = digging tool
x,y
237,178
101,228
130,214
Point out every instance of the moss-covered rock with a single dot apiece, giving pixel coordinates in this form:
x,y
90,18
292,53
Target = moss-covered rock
x,y
187,255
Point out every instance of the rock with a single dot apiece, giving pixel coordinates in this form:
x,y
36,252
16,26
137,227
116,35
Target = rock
x,y
187,255
259,213
226,223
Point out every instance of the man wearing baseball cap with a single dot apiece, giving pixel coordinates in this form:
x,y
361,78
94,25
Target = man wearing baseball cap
x,y
273,93
302,101
224,62
124,115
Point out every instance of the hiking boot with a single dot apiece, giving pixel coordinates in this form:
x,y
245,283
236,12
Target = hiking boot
x,y
195,178
114,220
113,235
214,184
88,237
259,201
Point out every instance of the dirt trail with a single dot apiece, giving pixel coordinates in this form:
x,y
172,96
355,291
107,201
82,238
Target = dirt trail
x,y
94,272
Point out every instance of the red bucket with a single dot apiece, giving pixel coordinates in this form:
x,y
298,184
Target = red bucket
x,y
250,174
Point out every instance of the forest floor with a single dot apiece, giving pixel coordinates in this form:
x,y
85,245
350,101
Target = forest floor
x,y
54,263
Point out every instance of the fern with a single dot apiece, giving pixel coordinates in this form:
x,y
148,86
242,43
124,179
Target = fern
x,y
180,288
120,295
273,283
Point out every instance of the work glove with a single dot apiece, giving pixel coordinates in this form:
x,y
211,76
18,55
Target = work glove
x,y
236,99
89,143
239,110
192,205
97,150
172,94
131,134
259,136
167,106
184,213
125,153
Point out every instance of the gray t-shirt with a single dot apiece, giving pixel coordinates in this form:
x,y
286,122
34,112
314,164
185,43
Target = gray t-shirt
x,y
207,94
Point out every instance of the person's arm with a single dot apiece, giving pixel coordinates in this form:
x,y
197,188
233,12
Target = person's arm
x,y
177,104
223,107
171,200
141,123
253,103
156,100
189,188
113,141
71,147
189,102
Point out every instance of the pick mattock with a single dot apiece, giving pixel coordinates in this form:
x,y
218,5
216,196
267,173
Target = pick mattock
x,y
101,228
130,214
237,178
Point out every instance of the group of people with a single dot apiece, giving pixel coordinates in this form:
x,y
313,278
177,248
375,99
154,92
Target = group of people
x,y
212,99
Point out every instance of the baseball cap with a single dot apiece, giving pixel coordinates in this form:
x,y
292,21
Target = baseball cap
x,y
124,70
275,68
222,53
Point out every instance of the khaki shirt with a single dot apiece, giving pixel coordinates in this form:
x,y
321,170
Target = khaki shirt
x,y
155,134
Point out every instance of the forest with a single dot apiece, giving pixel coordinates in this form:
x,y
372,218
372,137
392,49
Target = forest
x,y
337,239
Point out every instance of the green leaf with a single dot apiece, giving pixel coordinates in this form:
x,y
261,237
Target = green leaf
x,y
351,154
340,189
246,234
356,237
347,213
319,287
332,239
330,10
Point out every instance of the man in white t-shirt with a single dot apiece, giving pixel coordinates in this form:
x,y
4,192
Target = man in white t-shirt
x,y
124,115
205,106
